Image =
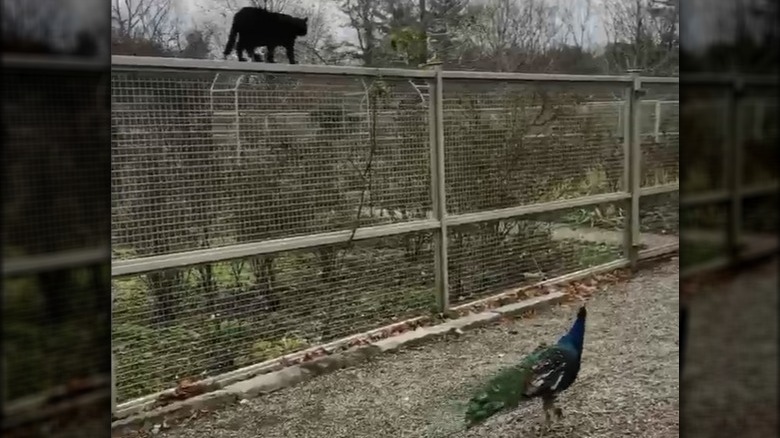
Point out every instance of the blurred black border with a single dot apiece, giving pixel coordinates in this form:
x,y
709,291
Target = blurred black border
x,y
56,176
726,42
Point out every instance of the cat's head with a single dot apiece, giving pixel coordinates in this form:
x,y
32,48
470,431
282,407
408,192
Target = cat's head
x,y
301,26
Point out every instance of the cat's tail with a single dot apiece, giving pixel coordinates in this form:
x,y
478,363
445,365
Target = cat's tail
x,y
231,39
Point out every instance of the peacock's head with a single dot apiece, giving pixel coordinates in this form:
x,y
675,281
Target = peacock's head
x,y
575,337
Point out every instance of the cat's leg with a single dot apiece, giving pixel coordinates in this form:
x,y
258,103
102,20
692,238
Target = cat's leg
x,y
240,48
290,52
269,54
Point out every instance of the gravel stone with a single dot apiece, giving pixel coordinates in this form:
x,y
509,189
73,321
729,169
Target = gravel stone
x,y
628,386
731,369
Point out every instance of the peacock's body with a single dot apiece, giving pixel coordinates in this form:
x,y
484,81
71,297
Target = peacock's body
x,y
544,373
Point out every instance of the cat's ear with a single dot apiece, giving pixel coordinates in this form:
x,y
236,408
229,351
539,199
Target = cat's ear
x,y
306,20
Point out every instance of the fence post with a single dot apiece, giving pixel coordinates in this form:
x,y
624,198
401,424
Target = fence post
x,y
733,167
438,190
632,166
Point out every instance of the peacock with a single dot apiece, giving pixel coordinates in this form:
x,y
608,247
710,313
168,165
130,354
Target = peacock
x,y
544,373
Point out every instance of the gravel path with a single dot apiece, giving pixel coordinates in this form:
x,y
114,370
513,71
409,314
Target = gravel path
x,y
628,386
730,378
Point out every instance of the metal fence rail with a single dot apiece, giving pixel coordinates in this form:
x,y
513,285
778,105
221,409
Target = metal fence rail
x,y
261,209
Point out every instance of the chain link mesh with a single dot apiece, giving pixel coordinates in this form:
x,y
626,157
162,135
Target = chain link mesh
x,y
706,120
660,134
509,144
659,219
760,217
55,198
200,165
758,120
704,233
703,119
207,161
206,320
487,258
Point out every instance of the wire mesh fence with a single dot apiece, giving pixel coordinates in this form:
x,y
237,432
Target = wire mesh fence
x,y
487,258
758,135
296,155
704,235
760,218
326,182
509,144
659,214
704,148
728,172
206,320
660,135
55,166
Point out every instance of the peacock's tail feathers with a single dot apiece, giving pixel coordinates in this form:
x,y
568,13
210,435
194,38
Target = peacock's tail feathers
x,y
504,391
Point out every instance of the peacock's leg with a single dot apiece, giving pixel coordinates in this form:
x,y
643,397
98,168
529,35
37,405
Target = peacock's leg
x,y
548,404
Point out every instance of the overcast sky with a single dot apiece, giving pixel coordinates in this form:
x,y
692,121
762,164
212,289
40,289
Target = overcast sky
x,y
711,21
194,10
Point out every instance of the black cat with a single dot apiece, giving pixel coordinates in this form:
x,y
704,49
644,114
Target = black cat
x,y
256,27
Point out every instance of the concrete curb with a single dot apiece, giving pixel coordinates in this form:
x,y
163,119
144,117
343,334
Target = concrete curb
x,y
295,374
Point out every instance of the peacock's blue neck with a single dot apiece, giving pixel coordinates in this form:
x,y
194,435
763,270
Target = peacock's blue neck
x,y
575,337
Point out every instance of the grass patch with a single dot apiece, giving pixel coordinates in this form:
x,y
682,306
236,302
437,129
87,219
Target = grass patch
x,y
594,254
609,217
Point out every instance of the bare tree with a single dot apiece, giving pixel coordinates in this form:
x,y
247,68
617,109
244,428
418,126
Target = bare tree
x,y
578,20
145,27
447,24
512,34
642,34
366,17
318,38
233,6
147,19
